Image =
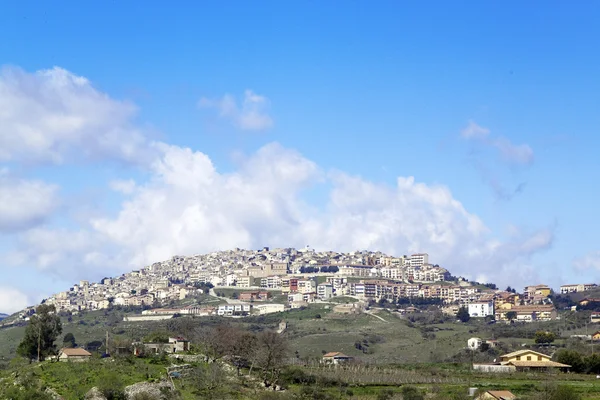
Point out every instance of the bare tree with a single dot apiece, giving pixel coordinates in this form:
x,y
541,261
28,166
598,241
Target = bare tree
x,y
269,354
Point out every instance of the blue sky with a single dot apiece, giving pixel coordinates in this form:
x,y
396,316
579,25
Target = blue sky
x,y
357,93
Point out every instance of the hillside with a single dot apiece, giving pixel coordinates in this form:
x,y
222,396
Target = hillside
x,y
2,316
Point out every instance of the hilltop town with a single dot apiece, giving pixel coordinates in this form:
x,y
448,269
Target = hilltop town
x,y
302,276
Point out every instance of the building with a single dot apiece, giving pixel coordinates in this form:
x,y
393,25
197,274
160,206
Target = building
x,y
269,308
474,343
528,313
74,355
419,259
336,358
530,360
307,286
596,336
179,344
496,395
325,291
541,291
480,309
577,288
595,318
230,310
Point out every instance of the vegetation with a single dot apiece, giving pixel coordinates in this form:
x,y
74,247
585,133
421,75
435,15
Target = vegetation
x,y
40,334
463,314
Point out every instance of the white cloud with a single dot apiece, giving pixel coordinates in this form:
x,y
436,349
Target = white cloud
x,y
188,207
509,152
24,203
252,115
12,300
589,261
474,131
513,154
54,115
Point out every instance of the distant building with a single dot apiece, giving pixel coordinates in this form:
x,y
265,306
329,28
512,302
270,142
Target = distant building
x,y
336,358
577,288
74,355
474,343
419,259
480,309
325,291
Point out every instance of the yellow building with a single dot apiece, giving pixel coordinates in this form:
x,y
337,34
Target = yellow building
x,y
529,359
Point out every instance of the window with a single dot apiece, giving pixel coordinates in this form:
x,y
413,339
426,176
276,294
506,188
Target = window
x,y
518,358
528,358
539,358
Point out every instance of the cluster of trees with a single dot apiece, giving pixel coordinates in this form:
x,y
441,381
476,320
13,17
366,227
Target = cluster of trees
x,y
544,337
265,351
588,364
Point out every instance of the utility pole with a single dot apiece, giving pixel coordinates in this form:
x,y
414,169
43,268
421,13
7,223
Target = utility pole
x,y
106,349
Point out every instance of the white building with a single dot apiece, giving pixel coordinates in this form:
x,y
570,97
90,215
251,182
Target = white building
x,y
419,259
474,343
307,286
481,309
580,287
228,310
325,291
269,308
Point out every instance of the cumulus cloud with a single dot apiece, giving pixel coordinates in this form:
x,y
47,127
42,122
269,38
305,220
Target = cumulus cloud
x,y
24,203
251,115
189,207
589,261
54,115
12,300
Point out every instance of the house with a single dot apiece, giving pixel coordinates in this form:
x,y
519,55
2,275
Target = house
x,y
530,360
336,358
474,343
595,317
496,395
587,300
74,355
180,344
596,336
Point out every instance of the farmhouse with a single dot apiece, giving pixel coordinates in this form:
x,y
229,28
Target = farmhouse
x,y
75,355
335,357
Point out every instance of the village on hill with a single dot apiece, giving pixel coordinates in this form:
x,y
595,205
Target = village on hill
x,y
296,278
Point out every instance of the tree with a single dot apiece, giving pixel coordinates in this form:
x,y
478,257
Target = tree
x,y
543,337
41,332
69,340
463,314
572,358
511,315
269,356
